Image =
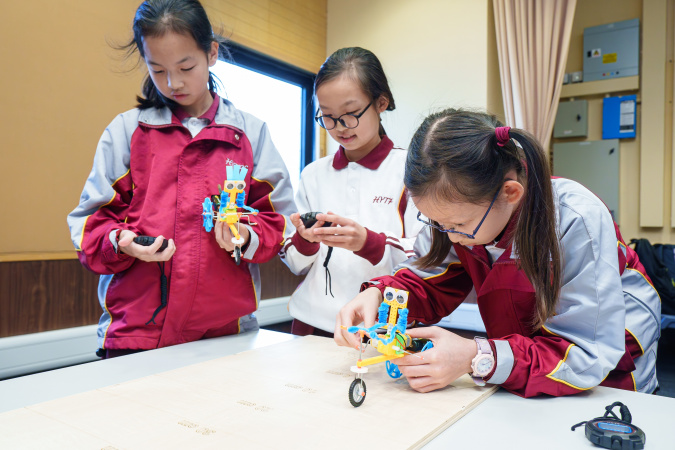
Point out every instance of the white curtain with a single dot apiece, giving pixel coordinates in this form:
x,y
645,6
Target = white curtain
x,y
533,41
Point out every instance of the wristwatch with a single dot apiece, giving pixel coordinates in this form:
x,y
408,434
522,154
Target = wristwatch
x,y
483,362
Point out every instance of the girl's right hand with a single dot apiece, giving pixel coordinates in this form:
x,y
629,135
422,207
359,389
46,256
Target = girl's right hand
x,y
363,308
306,233
148,253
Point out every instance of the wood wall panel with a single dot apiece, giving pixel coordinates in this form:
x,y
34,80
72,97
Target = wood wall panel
x,y
40,296
277,280
46,295
292,31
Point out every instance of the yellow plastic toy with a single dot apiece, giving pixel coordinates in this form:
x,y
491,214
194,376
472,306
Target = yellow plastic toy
x,y
388,337
231,207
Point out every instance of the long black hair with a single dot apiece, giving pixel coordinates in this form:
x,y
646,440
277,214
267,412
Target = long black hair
x,y
362,66
155,18
454,156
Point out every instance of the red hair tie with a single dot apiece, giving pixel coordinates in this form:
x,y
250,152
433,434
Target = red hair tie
x,y
502,134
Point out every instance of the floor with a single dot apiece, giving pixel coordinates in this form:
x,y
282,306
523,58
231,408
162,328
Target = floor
x,y
665,363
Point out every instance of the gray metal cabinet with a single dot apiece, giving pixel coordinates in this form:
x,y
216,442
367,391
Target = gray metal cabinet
x,y
595,164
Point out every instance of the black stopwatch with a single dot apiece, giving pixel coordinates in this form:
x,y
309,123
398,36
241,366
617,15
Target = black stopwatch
x,y
614,433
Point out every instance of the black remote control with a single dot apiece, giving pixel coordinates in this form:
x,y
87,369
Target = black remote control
x,y
149,240
309,219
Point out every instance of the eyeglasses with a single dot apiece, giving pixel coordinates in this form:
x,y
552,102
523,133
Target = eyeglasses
x,y
347,120
449,230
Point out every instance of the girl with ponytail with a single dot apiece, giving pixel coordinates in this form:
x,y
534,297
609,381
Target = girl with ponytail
x,y
566,305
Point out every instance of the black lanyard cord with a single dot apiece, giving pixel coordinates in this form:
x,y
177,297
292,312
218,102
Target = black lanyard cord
x,y
328,277
164,293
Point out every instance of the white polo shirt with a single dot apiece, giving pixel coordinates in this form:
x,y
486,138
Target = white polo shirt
x,y
370,192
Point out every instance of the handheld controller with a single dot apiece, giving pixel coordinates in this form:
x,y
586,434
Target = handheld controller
x,y
309,219
149,240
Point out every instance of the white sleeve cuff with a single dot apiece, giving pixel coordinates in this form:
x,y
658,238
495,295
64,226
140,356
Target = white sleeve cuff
x,y
505,360
253,244
113,239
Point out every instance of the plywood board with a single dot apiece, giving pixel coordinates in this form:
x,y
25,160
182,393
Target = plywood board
x,y
288,395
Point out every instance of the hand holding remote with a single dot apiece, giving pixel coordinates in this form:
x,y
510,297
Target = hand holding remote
x,y
145,248
149,240
309,219
303,224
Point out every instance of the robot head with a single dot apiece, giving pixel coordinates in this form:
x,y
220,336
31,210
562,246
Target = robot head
x,y
397,298
235,184
236,187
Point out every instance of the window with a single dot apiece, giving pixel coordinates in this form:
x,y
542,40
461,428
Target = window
x,y
277,93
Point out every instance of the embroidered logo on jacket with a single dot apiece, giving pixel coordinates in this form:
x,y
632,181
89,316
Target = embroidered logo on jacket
x,y
378,199
229,162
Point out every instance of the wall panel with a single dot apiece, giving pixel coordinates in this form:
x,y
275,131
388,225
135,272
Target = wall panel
x,y
435,54
652,89
46,295
292,31
40,296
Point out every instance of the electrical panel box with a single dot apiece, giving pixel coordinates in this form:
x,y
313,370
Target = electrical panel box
x,y
612,50
619,117
595,164
571,120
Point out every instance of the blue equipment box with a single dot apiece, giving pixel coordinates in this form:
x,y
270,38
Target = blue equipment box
x,y
619,117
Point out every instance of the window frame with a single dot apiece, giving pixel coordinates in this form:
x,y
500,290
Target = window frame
x,y
266,65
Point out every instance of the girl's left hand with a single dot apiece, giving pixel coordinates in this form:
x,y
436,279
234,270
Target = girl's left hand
x,y
343,233
449,359
224,235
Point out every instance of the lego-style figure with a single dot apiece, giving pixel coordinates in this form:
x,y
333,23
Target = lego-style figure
x,y
392,344
229,203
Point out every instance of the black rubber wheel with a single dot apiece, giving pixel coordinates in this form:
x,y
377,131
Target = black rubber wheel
x,y
237,255
357,392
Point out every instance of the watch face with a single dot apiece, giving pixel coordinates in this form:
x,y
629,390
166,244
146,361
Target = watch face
x,y
484,365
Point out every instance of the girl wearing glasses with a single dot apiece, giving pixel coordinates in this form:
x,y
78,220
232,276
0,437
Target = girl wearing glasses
x,y
566,305
360,188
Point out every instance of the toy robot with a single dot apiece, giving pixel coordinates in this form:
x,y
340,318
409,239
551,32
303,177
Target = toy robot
x,y
388,336
230,206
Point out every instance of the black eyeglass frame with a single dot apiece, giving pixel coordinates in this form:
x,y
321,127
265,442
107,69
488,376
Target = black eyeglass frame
x,y
470,236
319,118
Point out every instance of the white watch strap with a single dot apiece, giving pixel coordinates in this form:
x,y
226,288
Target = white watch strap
x,y
483,345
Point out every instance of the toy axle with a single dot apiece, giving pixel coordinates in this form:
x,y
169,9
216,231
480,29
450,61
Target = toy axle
x,y
376,359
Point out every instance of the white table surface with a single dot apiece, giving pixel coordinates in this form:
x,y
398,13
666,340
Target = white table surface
x,y
503,420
